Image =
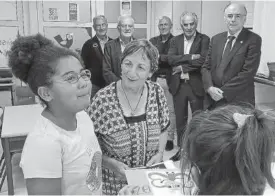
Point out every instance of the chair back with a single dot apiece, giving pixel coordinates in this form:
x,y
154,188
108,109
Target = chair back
x,y
6,82
24,96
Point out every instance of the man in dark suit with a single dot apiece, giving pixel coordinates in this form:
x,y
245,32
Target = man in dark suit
x,y
92,52
186,55
163,74
114,49
232,62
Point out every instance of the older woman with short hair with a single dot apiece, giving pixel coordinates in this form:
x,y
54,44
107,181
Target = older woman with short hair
x,y
131,116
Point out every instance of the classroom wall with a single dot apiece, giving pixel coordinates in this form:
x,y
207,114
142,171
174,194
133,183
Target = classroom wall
x,y
71,28
263,16
30,17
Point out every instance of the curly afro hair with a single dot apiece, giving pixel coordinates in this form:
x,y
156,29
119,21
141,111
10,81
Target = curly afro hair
x,y
33,59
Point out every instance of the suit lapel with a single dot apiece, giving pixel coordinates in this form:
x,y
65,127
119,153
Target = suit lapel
x,y
221,47
118,46
97,49
181,44
195,43
236,46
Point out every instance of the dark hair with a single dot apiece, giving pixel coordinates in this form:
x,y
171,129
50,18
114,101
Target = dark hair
x,y
147,47
33,59
233,159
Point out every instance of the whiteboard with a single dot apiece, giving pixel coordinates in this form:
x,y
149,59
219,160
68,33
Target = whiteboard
x,y
7,36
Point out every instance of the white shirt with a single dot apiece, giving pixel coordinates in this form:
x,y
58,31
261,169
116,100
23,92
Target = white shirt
x,y
123,45
73,156
187,47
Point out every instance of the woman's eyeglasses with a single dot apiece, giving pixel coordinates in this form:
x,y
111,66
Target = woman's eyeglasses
x,y
73,77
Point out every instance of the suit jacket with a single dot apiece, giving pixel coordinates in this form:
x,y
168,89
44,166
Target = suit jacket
x,y
240,67
111,61
177,57
164,67
92,56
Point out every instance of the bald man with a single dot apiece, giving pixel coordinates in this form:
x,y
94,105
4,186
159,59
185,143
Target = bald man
x,y
232,62
163,74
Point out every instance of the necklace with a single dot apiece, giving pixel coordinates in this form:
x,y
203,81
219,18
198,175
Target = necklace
x,y
132,111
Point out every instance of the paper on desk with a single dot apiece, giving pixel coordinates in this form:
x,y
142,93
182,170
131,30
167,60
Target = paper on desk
x,y
163,165
137,176
142,182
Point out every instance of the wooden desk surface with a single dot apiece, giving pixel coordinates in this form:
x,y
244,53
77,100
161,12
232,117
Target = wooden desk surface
x,y
20,120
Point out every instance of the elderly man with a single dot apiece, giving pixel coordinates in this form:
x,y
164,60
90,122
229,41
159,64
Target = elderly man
x,y
164,72
114,49
232,61
186,55
93,50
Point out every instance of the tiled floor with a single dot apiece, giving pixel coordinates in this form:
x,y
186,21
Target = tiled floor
x,y
18,179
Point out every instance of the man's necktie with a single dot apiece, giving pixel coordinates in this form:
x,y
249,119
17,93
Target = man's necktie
x,y
228,46
220,68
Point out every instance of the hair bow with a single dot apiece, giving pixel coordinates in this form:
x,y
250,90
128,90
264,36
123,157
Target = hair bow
x,y
240,119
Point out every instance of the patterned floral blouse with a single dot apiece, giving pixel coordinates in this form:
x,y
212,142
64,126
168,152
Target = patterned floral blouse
x,y
131,140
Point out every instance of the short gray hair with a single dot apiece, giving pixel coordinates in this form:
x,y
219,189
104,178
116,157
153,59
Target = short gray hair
x,y
99,17
147,47
121,18
192,14
166,18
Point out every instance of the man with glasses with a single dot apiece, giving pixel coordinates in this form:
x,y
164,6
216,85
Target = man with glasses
x,y
114,49
93,50
232,61
186,55
163,74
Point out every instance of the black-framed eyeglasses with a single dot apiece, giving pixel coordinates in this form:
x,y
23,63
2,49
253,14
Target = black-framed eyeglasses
x,y
73,77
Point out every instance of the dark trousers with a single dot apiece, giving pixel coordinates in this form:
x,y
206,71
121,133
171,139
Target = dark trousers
x,y
184,95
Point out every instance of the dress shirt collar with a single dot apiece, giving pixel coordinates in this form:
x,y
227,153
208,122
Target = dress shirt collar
x,y
235,35
192,38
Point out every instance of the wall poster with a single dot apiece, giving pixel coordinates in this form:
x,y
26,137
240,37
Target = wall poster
x,y
125,8
73,12
7,36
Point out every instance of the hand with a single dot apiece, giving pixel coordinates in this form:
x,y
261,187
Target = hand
x,y
155,159
215,93
135,190
195,56
119,169
176,69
